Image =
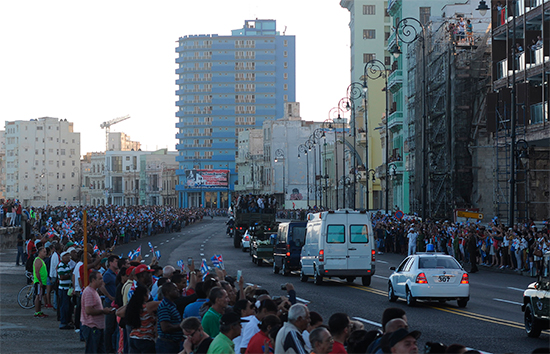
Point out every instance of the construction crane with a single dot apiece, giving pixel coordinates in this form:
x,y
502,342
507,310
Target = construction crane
x,y
107,126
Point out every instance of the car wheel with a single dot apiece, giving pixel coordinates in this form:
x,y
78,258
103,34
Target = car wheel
x,y
303,277
366,280
533,326
411,301
275,268
391,293
350,279
317,278
462,302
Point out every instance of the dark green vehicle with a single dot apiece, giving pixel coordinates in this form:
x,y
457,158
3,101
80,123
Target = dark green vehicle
x,y
536,302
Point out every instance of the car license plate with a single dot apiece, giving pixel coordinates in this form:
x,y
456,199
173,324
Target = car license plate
x,y
442,278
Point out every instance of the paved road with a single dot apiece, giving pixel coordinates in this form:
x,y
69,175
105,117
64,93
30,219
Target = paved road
x,y
491,322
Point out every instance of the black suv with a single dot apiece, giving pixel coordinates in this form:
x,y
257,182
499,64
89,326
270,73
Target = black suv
x,y
536,301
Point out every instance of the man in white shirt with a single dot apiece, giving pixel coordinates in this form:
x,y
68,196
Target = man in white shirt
x,y
412,236
77,281
267,307
54,261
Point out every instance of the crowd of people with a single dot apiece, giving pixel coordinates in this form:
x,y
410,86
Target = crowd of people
x,y
518,248
251,203
108,225
131,307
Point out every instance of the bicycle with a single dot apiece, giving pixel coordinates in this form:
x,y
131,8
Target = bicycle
x,y
26,295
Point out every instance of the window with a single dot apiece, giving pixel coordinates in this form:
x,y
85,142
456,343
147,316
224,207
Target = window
x,y
369,9
358,234
369,34
368,57
386,37
424,14
335,233
387,61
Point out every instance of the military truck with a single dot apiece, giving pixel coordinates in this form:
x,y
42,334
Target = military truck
x,y
243,221
536,301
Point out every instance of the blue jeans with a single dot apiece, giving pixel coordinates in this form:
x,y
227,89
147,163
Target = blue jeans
x,y
93,338
63,303
19,255
138,346
167,346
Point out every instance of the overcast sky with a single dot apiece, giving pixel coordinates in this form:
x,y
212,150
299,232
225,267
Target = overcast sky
x,y
92,61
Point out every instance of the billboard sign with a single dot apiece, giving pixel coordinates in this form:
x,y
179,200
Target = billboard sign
x,y
207,178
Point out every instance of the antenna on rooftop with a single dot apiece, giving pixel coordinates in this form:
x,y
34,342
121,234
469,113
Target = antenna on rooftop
x,y
284,32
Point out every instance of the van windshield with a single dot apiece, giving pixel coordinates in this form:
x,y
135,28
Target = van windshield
x,y
358,234
298,235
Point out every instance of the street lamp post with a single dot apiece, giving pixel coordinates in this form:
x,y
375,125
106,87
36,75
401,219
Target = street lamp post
x,y
333,111
409,33
280,154
343,104
326,124
303,149
373,70
354,91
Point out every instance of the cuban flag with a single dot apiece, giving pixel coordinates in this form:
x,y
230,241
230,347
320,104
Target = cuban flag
x,y
138,251
130,254
181,265
96,249
157,253
204,269
151,247
217,260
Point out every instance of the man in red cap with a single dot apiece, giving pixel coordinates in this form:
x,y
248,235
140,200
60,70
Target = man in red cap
x,y
128,285
144,277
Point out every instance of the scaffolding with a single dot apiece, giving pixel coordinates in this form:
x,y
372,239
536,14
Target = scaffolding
x,y
456,79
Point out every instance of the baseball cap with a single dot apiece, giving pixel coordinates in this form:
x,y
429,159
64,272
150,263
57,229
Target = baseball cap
x,y
142,268
231,318
129,270
401,334
64,253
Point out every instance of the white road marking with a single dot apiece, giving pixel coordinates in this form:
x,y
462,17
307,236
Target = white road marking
x,y
509,302
379,261
517,289
379,276
162,243
156,246
167,240
146,255
303,300
172,238
481,351
367,321
202,254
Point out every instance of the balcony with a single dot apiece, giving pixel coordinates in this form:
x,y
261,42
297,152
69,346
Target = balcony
x,y
362,138
392,41
395,80
395,122
502,69
393,6
538,113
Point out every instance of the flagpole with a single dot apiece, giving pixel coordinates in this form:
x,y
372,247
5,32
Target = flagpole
x,y
85,238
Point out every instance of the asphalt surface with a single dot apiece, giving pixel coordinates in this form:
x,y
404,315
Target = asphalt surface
x,y
492,321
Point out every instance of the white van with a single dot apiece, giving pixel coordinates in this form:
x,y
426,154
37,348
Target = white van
x,y
338,244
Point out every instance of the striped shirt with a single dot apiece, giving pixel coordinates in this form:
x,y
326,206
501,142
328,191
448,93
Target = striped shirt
x,y
167,311
147,329
64,269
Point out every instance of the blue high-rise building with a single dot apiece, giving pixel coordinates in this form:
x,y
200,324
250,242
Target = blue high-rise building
x,y
227,84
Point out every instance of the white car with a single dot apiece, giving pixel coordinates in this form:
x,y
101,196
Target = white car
x,y
429,276
245,241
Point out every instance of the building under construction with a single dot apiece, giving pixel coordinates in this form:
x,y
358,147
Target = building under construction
x,y
455,75
517,117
